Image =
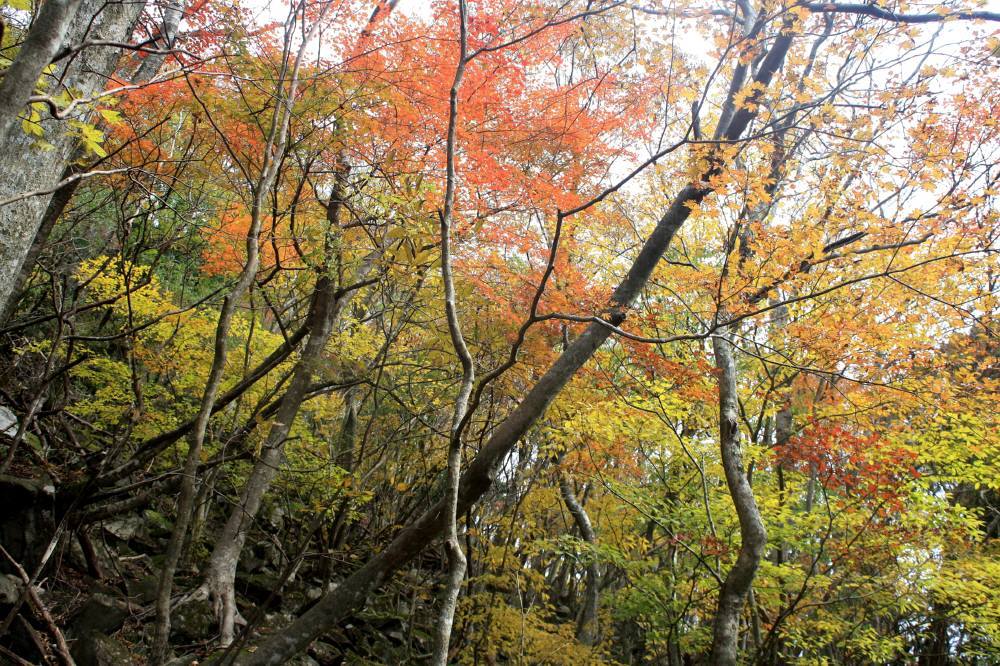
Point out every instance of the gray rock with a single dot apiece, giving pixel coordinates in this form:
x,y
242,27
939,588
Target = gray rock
x,y
98,650
10,588
259,586
268,553
303,660
279,620
26,522
8,422
105,560
144,590
159,526
183,660
192,622
124,528
325,653
100,614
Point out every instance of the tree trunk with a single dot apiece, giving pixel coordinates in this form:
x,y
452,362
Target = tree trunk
x,y
327,305
49,31
151,64
587,629
274,149
732,596
148,68
453,548
23,167
57,204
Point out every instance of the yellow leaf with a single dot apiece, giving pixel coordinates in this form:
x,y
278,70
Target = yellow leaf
x,y
110,115
32,128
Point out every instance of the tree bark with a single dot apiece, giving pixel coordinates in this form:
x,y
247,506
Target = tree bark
x,y
23,167
732,596
46,36
453,548
327,305
57,204
587,628
151,64
148,68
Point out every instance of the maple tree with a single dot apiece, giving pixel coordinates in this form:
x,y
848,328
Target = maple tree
x,y
521,332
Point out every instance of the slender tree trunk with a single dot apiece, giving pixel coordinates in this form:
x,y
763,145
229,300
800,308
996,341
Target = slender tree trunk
x,y
229,544
202,505
783,429
187,494
46,36
453,548
587,628
274,147
171,20
327,305
738,583
733,595
342,452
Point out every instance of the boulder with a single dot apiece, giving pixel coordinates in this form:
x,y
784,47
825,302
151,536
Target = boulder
x,y
8,422
10,589
26,518
143,590
192,621
101,613
100,650
124,527
303,660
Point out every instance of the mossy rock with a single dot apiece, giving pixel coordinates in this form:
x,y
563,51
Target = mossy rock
x,y
192,622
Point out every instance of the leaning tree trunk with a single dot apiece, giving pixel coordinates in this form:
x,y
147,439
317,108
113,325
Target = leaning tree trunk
x,y
147,70
172,12
274,149
24,167
416,536
221,576
328,303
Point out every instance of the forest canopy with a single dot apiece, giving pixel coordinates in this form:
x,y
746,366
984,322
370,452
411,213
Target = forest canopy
x,y
499,332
